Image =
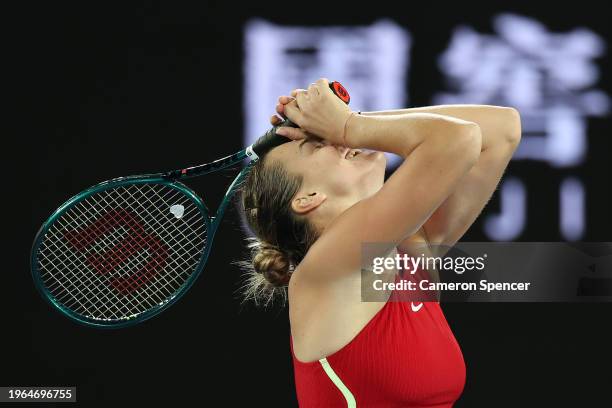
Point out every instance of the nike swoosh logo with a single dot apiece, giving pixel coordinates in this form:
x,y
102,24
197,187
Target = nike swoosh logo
x,y
416,308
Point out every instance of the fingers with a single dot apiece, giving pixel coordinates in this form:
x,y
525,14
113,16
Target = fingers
x,y
285,99
293,113
291,132
289,106
276,120
295,92
280,109
323,83
313,89
280,106
301,97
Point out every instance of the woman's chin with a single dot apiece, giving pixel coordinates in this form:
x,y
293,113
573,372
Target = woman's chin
x,y
380,156
371,165
379,159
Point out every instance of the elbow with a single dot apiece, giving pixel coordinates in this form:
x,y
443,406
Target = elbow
x,y
470,142
459,141
514,128
461,144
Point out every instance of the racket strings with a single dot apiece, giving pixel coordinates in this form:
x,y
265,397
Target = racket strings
x,y
122,251
109,240
131,264
132,261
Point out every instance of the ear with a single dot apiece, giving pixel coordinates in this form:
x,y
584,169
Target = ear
x,y
305,203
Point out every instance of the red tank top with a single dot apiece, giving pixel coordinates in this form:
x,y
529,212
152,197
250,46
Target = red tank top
x,y
405,356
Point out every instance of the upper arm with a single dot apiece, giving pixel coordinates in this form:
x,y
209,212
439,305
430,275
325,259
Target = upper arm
x,y
399,208
458,212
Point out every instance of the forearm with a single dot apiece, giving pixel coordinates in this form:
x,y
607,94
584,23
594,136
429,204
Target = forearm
x,y
498,124
402,133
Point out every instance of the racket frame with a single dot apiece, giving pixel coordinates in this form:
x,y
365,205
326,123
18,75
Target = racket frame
x,y
171,180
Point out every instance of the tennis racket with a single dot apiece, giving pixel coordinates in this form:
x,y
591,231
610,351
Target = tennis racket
x,y
126,249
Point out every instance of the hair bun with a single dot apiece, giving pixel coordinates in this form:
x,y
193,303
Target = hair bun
x,y
273,263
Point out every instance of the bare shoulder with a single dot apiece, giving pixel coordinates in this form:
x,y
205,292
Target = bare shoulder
x,y
324,320
326,317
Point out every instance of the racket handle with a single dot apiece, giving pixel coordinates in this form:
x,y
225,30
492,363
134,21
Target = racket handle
x,y
340,91
263,145
270,139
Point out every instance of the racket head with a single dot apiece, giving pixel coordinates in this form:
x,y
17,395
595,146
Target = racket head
x,y
122,251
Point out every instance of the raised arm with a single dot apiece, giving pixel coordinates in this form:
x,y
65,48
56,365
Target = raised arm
x,y
501,135
439,150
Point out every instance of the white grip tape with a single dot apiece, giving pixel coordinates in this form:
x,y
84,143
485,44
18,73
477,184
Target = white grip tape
x,y
251,153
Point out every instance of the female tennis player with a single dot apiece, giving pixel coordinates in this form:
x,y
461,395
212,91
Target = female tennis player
x,y
313,201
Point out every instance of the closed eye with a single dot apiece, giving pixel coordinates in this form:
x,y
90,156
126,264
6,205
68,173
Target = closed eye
x,y
316,141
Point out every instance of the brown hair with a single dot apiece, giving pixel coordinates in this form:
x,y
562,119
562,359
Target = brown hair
x,y
282,237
